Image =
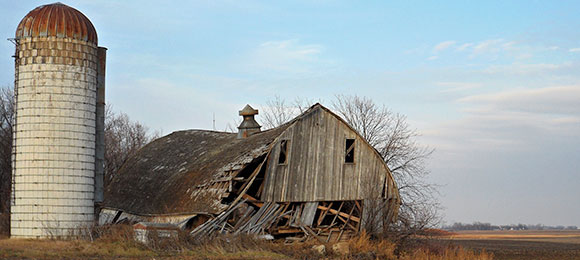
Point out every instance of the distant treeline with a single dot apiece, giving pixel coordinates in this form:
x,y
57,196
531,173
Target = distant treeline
x,y
488,226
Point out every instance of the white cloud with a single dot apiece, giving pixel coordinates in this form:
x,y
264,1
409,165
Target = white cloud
x,y
464,46
497,48
510,121
560,100
574,50
290,49
524,69
509,45
443,45
288,56
457,86
488,46
493,49
434,57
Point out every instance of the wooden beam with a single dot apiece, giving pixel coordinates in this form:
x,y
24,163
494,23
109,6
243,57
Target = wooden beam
x,y
259,193
345,221
360,210
288,231
247,185
323,214
260,204
252,200
329,234
335,212
310,232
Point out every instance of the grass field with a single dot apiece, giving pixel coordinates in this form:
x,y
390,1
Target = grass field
x,y
55,249
521,244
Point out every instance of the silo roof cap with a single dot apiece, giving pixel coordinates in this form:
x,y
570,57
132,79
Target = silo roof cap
x,y
57,20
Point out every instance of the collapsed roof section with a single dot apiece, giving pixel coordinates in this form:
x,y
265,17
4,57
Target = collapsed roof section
x,y
168,176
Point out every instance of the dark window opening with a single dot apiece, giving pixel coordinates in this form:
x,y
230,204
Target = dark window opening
x,y
349,154
283,156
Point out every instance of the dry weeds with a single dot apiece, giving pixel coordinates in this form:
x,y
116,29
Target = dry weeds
x,y
117,242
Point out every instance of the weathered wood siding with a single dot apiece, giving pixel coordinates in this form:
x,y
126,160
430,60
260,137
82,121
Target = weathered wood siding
x,y
316,168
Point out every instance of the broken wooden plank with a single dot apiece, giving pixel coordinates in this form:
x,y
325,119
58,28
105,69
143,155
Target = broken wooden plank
x,y
287,231
345,223
209,226
247,185
311,233
252,200
308,213
335,212
323,214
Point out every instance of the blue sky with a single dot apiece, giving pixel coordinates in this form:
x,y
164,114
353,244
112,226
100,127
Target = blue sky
x,y
493,86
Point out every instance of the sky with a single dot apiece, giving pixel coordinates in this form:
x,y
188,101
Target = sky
x,y
492,86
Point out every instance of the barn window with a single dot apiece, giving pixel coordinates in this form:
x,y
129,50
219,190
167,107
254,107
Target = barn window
x,y
283,156
349,151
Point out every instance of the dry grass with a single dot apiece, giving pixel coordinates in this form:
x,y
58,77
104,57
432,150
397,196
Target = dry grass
x,y
112,242
117,242
362,247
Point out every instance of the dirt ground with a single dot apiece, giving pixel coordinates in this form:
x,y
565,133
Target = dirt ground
x,y
521,244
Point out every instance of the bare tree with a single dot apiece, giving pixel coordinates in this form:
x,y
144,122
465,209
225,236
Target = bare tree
x,y
276,112
390,134
123,137
6,123
379,213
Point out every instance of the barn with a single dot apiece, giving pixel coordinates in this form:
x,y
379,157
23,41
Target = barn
x,y
314,176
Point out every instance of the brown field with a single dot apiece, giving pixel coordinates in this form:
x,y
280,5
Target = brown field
x,y
521,244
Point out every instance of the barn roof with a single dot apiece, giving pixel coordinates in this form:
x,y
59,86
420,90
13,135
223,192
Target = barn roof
x,y
161,177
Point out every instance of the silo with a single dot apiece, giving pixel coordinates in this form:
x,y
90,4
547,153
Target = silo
x,y
58,146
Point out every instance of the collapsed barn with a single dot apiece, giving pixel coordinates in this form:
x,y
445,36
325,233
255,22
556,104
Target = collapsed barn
x,y
314,176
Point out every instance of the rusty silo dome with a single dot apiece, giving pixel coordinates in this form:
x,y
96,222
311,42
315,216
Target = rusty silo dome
x,y
57,20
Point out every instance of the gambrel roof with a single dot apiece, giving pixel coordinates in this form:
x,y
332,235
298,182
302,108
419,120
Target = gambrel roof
x,y
166,176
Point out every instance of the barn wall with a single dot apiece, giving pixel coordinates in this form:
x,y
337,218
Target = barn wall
x,y
316,168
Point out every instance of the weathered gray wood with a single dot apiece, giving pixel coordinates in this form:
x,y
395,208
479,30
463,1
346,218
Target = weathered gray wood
x,y
315,168
308,213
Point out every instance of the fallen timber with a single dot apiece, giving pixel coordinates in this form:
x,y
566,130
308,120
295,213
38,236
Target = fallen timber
x,y
327,221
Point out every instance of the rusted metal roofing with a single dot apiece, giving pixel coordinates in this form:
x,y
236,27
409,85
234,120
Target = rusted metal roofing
x,y
162,177
57,20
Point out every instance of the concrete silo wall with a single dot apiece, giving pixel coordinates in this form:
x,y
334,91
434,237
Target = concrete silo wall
x,y
100,131
54,138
